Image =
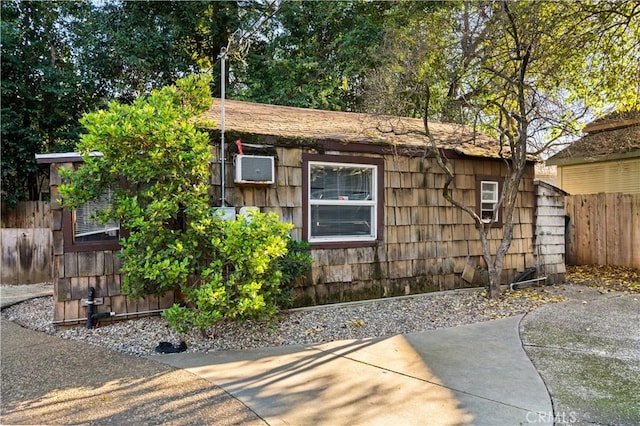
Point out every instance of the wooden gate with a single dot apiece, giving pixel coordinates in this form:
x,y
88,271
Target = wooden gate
x,y
603,229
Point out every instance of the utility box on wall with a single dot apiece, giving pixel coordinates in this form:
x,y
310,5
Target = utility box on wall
x,y
255,169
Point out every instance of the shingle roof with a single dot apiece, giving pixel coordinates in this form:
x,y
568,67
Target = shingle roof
x,y
303,124
614,135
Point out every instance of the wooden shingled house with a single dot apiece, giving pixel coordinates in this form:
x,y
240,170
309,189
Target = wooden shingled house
x,y
364,190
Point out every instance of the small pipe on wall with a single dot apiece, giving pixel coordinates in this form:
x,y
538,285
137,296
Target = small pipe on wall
x,y
93,316
129,314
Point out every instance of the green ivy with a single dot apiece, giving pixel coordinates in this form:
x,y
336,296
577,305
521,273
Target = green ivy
x,y
293,266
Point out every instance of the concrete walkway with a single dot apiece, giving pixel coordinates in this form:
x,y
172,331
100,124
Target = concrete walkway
x,y
47,380
477,374
588,353
12,294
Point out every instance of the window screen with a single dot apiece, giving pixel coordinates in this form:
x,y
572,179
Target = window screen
x,y
87,228
342,202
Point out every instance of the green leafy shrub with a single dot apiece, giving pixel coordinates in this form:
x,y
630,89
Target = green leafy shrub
x,y
251,265
294,266
154,159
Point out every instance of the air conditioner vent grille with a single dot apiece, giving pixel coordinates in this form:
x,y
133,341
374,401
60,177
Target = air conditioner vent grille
x,y
255,169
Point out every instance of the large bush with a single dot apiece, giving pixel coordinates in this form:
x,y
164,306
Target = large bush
x,y
252,264
155,160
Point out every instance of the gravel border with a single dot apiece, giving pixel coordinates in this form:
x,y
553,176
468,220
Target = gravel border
x,y
306,326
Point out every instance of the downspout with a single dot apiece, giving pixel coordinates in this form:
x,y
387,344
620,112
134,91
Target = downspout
x,y
93,316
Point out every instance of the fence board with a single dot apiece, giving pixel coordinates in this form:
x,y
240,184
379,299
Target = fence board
x,y
26,245
604,229
26,255
569,206
27,214
635,224
581,235
600,241
613,232
626,213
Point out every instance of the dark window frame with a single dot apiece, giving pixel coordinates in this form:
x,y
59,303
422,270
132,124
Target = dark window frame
x,y
343,159
68,235
71,245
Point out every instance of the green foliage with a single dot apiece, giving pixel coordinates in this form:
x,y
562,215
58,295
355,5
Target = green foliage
x,y
155,161
419,51
293,266
573,56
42,96
130,47
251,262
62,59
315,54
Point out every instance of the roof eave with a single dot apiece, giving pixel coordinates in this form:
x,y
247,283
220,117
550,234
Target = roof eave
x,y
63,157
569,161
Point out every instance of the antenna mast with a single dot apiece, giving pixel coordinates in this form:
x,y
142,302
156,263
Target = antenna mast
x,y
223,57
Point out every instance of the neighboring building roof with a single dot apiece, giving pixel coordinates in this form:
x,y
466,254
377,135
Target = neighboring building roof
x,y
300,124
615,136
63,157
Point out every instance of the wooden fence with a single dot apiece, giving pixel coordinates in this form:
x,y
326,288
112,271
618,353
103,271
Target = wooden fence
x,y
603,229
25,240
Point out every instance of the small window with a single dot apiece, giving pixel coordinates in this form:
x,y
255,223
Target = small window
x,y
84,232
488,199
488,190
342,201
87,228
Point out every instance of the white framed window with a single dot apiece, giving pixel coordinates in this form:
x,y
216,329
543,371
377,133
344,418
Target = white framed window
x,y
342,201
489,195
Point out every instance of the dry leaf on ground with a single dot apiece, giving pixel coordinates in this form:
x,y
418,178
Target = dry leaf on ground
x,y
605,278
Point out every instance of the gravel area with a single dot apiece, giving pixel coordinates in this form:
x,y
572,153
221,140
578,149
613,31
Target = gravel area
x,y
295,327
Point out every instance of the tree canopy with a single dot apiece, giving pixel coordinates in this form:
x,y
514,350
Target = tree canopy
x,y
582,57
62,59
315,54
42,94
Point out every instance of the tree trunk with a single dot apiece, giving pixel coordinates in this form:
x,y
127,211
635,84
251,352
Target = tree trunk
x,y
494,282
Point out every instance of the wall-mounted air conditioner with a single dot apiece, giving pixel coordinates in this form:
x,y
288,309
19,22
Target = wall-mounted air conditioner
x,y
256,169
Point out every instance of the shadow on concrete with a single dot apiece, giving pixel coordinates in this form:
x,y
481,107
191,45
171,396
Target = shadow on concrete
x,y
477,374
327,384
48,380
